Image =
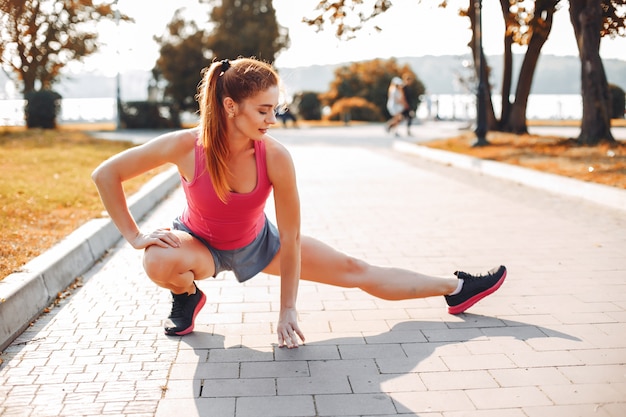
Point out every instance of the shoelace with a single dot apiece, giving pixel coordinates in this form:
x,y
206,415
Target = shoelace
x,y
178,305
465,276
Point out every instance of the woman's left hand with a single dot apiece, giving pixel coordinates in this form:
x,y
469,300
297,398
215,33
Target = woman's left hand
x,y
288,330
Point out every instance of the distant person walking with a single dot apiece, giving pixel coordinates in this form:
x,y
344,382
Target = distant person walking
x,y
229,166
396,104
285,115
408,113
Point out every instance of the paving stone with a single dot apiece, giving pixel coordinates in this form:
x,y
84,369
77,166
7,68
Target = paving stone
x,y
285,406
313,385
432,401
455,380
353,404
198,407
510,397
239,387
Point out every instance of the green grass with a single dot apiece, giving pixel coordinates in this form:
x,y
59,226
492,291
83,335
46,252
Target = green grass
x,y
46,190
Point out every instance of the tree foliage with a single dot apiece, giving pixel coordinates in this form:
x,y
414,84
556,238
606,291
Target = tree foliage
x,y
39,37
240,28
354,108
246,28
339,12
618,101
183,55
308,105
370,81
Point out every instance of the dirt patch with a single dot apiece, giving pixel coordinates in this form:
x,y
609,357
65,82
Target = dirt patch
x,y
602,164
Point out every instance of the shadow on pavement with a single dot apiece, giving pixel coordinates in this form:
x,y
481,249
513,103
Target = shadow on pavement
x,y
373,374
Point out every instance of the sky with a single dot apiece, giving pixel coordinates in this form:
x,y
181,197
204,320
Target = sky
x,y
408,29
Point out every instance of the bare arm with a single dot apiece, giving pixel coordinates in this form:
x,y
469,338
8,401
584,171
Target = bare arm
x,y
109,176
287,202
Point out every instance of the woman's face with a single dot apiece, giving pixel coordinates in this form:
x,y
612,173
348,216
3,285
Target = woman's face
x,y
255,115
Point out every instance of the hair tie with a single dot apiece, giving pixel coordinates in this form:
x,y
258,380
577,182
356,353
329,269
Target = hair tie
x,y
225,65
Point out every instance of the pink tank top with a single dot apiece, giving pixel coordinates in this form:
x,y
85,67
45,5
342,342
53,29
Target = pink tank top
x,y
226,226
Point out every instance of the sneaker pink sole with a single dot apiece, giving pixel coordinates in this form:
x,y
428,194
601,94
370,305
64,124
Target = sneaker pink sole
x,y
458,309
193,321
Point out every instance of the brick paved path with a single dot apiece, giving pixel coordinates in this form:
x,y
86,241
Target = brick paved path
x,y
550,342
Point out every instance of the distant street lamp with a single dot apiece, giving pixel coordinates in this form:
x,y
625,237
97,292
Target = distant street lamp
x,y
118,100
481,111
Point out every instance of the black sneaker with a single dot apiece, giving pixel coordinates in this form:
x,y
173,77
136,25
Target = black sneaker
x,y
185,308
475,288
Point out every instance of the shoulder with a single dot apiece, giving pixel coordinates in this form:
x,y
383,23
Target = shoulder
x,y
176,147
185,138
276,152
278,159
176,142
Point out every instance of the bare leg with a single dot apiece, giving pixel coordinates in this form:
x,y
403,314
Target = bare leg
x,y
177,268
321,263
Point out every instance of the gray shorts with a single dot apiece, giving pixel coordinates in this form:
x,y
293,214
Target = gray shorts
x,y
245,262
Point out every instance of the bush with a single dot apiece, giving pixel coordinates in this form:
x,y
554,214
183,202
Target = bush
x,y
308,106
370,80
42,108
618,101
146,115
355,108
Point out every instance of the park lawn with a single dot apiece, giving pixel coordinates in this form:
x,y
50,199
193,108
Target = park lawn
x,y
603,164
46,190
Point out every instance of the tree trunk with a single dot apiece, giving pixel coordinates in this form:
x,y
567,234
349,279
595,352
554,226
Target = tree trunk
x,y
492,122
28,78
541,27
586,17
507,72
517,119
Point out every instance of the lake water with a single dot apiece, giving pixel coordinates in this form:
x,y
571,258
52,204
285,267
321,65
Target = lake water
x,y
445,106
540,106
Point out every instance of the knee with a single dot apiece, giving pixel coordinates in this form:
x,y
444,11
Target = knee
x,y
158,263
354,266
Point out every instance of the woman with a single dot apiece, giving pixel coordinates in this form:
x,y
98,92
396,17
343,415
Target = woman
x,y
396,104
228,166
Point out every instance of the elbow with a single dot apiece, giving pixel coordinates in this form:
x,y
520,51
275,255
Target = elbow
x,y
97,175
101,175
289,239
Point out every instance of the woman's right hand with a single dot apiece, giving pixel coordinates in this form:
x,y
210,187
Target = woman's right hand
x,y
163,237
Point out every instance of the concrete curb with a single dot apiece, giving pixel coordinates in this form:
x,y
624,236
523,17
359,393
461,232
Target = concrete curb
x,y
595,193
25,294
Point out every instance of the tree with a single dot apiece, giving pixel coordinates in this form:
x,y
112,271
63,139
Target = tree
x,y
183,55
246,28
39,37
530,26
523,26
591,20
370,80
